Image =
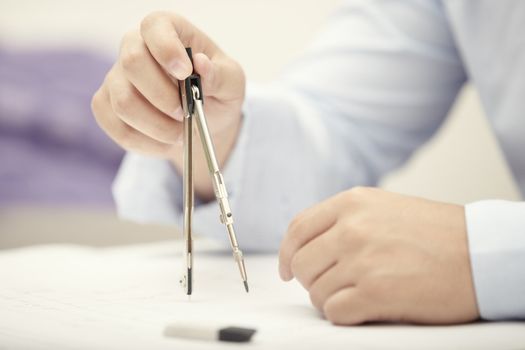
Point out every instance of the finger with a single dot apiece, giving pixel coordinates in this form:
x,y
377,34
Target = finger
x,y
205,68
124,135
161,35
305,227
315,258
141,69
133,109
338,277
220,78
347,307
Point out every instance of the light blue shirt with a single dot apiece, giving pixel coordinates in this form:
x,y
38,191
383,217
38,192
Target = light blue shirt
x,y
373,87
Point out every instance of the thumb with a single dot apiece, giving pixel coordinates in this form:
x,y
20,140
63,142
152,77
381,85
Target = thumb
x,y
205,68
222,79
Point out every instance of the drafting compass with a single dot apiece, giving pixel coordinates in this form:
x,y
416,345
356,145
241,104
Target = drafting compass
x,y
192,100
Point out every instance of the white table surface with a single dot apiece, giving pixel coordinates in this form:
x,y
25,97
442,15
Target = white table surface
x,y
73,297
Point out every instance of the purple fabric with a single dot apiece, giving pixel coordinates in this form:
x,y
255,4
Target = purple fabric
x,y
51,149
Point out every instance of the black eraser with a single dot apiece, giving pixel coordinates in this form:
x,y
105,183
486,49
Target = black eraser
x,y
236,334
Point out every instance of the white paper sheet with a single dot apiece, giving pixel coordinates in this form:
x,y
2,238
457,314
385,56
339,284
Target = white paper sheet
x,y
71,297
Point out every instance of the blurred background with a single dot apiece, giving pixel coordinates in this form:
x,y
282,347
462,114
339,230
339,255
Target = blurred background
x,y
56,166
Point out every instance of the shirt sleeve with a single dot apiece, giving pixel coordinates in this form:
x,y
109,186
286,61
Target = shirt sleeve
x,y
374,85
496,234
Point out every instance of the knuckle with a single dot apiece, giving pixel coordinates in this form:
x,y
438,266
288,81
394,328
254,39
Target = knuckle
x,y
151,19
293,224
132,57
96,101
295,227
337,315
295,265
359,190
348,227
316,298
364,264
348,235
347,198
128,37
333,312
123,102
299,269
355,195
373,288
354,232
293,241
124,138
97,108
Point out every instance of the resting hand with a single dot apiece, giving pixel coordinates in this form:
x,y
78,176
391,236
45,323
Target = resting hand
x,y
369,255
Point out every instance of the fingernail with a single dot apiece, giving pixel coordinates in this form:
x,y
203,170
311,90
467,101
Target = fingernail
x,y
179,70
178,114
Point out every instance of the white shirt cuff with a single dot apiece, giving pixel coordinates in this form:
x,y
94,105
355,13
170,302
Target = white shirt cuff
x,y
496,234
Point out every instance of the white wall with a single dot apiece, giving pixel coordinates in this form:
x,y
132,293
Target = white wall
x,y
461,164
